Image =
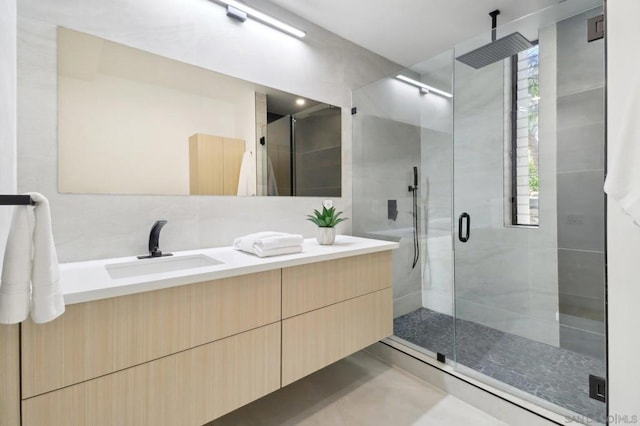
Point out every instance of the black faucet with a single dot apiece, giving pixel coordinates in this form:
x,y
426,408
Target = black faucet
x,y
154,241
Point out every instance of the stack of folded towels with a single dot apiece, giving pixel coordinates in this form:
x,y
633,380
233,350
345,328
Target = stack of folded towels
x,y
264,244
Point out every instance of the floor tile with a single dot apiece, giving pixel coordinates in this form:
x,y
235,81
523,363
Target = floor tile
x,y
554,374
358,391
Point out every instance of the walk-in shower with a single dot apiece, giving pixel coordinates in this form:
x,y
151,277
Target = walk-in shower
x,y
510,285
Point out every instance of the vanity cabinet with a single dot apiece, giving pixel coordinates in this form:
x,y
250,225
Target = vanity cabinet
x,y
183,355
332,309
188,388
321,337
190,354
9,375
97,338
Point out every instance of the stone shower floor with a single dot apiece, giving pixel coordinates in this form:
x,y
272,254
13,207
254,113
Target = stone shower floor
x,y
554,374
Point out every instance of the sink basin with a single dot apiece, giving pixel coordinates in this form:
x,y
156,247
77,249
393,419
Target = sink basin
x,y
164,264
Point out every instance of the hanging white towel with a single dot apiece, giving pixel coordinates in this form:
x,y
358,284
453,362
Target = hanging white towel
x,y
15,284
47,302
30,275
623,175
247,179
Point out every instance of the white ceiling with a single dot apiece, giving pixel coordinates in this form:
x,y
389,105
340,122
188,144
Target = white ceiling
x,y
409,31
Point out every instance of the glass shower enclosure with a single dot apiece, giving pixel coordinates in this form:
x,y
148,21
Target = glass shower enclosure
x,y
490,177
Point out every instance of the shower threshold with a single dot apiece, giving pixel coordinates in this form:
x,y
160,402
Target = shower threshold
x,y
546,372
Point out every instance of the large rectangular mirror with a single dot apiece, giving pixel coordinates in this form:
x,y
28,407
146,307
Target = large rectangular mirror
x,y
132,122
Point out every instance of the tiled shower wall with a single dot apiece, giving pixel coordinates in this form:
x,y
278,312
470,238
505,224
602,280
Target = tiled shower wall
x,y
395,129
386,146
581,130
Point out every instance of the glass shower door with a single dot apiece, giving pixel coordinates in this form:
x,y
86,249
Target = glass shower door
x,y
398,128
529,217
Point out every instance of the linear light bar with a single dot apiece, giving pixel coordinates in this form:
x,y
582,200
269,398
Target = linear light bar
x,y
423,86
264,18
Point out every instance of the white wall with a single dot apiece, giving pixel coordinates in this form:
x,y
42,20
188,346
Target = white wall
x,y
7,113
322,66
623,240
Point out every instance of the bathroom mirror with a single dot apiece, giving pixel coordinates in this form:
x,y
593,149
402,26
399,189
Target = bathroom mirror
x,y
132,122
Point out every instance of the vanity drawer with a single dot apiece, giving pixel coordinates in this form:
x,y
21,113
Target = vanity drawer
x,y
316,339
97,338
312,286
189,388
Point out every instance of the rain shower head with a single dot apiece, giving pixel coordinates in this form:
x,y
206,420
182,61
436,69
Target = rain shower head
x,y
497,49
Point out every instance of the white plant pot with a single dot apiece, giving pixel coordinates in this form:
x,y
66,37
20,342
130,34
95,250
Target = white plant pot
x,y
325,236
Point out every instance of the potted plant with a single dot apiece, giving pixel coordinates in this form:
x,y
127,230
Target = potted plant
x,y
326,221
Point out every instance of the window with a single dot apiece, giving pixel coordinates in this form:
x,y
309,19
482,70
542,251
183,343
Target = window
x,y
525,95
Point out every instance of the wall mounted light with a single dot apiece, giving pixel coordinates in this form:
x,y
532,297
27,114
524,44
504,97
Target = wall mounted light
x,y
240,11
424,88
235,13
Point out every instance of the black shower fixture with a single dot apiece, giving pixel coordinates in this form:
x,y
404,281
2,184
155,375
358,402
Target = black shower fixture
x,y
497,49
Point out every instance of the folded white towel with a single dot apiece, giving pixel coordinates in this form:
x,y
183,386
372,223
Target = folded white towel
x,y
30,275
279,241
246,243
269,242
276,251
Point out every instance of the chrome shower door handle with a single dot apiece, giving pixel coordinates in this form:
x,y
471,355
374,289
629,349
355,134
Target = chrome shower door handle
x,y
464,217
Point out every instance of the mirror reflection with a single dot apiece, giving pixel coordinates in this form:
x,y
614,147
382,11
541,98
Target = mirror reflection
x,y
132,122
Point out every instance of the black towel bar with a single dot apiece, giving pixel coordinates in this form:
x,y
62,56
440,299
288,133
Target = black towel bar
x,y
15,200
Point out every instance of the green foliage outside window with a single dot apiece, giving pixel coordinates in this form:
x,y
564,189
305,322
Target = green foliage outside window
x,y
534,182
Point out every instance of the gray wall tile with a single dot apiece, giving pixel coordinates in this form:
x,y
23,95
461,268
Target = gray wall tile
x,y
581,63
581,211
581,273
581,148
584,342
582,307
580,109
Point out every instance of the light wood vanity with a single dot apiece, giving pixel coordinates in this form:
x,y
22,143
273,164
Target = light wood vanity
x,y
189,354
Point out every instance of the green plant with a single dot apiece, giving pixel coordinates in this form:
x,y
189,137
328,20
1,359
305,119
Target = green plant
x,y
534,180
328,218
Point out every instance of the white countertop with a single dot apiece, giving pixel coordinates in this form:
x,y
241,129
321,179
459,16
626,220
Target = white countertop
x,y
88,281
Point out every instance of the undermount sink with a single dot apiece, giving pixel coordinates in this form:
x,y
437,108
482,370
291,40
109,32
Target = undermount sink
x,y
164,264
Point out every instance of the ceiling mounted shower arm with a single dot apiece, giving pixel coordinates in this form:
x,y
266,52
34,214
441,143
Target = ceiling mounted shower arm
x,y
494,24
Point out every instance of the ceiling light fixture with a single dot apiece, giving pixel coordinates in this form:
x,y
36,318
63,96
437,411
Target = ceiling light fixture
x,y
300,101
424,89
262,17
